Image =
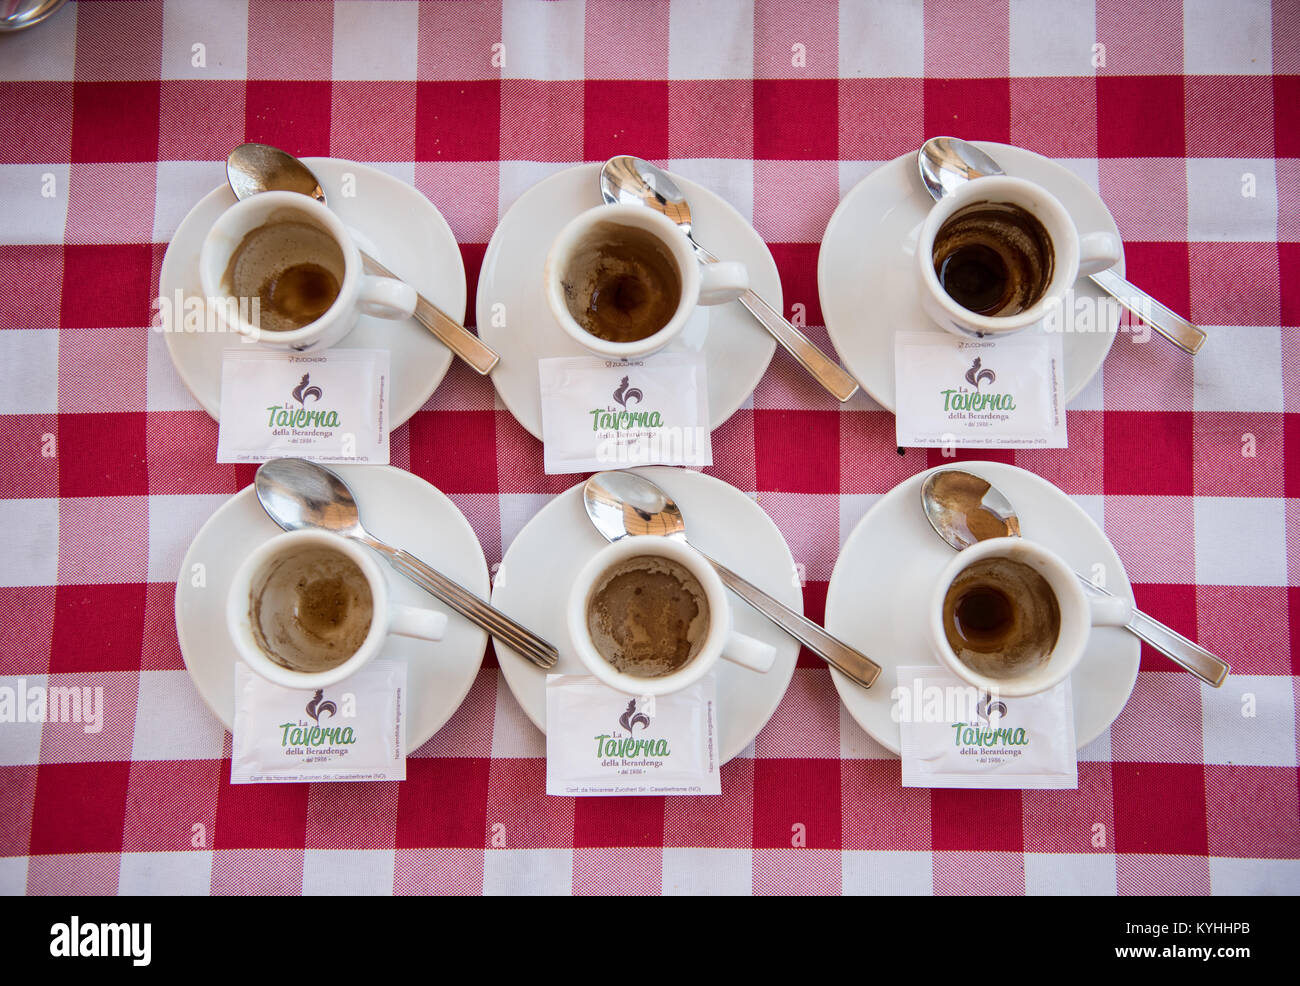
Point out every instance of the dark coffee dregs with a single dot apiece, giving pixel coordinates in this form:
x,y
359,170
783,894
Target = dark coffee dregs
x,y
1001,618
648,616
621,283
294,268
311,610
994,258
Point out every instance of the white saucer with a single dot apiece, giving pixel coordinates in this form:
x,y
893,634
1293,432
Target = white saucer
x,y
866,271
886,573
401,509
410,238
737,348
537,571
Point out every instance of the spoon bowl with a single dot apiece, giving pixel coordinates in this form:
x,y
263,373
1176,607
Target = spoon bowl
x,y
964,508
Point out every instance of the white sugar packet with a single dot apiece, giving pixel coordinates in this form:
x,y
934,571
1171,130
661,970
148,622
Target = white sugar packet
x,y
614,414
330,406
602,742
352,731
955,735
979,393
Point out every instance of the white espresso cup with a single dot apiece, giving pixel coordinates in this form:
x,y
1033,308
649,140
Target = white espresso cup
x,y
387,616
1073,255
1079,613
359,293
721,641
710,284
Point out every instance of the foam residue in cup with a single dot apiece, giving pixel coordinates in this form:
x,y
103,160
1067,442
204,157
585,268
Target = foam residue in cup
x,y
293,266
648,616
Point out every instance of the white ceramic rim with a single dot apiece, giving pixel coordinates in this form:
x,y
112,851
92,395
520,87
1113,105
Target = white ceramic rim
x,y
1045,206
240,625
1076,621
689,558
667,232
245,216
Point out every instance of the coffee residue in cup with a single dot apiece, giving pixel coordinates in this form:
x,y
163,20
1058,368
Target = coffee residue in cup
x,y
294,268
311,610
994,258
648,616
621,284
1001,617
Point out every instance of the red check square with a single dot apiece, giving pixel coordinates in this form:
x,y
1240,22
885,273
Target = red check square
x,y
797,451
1286,115
79,807
1175,607
293,116
869,459
98,627
608,823
259,816
17,794
1000,814
611,129
1288,262
458,121
1140,116
181,448
797,804
975,109
115,121
102,455
1148,453
1160,808
161,650
448,448
796,119
428,814
107,285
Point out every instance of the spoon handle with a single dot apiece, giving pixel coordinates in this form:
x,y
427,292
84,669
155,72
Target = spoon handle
x,y
1186,653
1163,319
451,333
468,605
836,653
825,370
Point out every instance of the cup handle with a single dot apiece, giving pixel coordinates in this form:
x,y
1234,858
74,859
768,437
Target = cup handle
x,y
723,282
748,652
412,621
1109,611
386,297
1098,252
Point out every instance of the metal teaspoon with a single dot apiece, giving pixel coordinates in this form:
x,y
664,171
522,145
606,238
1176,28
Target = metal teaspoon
x,y
623,504
253,168
298,494
633,181
964,508
947,162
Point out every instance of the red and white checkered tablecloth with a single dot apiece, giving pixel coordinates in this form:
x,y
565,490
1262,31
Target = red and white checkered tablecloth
x,y
115,117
